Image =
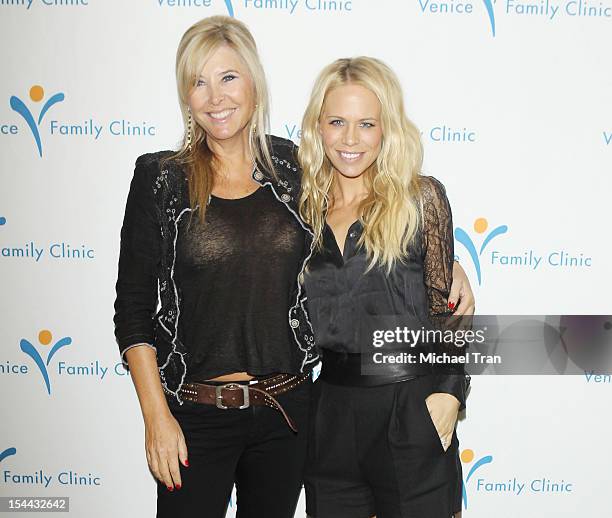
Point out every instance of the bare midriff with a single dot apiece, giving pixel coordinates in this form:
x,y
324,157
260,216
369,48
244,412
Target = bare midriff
x,y
235,376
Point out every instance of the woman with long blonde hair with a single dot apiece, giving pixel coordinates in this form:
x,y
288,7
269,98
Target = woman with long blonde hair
x,y
209,315
382,433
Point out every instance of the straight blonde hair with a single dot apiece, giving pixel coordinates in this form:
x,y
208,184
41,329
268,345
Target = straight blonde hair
x,y
391,213
198,43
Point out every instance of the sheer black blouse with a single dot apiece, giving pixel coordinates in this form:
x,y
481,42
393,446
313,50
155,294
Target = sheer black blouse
x,y
344,300
236,275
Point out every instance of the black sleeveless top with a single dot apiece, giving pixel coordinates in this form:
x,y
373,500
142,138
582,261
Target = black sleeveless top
x,y
235,275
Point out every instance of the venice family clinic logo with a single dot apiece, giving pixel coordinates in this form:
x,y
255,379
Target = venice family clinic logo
x,y
548,10
7,453
467,456
37,94
491,14
461,8
44,338
481,225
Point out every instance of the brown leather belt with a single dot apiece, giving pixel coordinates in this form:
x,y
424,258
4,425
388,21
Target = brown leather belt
x,y
237,395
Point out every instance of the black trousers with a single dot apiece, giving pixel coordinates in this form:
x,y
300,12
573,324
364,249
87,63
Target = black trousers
x,y
375,451
253,448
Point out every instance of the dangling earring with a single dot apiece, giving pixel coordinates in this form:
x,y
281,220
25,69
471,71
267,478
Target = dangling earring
x,y
254,128
189,124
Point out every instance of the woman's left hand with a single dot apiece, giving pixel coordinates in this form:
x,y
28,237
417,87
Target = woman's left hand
x,y
461,294
443,409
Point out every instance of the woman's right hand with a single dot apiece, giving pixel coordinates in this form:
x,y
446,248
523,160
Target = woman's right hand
x,y
165,447
164,439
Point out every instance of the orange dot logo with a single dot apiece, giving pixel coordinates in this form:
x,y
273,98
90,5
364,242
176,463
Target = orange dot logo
x,y
481,225
37,93
45,337
467,455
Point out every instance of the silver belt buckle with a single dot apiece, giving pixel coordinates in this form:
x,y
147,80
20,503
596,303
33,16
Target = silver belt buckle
x,y
232,386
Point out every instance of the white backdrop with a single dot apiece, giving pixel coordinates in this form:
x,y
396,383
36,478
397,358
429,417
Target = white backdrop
x,y
525,85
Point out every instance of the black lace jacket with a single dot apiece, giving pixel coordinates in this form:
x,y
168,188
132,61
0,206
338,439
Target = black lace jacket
x,y
148,306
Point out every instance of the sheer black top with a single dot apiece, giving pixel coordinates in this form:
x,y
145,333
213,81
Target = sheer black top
x,y
235,275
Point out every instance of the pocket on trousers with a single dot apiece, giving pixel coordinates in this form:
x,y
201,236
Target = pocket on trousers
x,y
411,425
432,427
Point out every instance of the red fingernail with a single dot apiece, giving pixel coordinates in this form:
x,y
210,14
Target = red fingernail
x,y
451,305
186,463
170,488
178,486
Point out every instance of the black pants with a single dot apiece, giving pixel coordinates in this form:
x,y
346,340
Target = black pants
x,y
375,450
253,448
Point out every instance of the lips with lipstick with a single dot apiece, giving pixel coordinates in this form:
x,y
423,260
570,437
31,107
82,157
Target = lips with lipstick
x,y
221,116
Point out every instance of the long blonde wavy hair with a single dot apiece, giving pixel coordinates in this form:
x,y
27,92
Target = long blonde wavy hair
x,y
391,213
196,46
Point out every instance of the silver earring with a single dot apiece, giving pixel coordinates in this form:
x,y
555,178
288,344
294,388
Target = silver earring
x,y
189,124
254,128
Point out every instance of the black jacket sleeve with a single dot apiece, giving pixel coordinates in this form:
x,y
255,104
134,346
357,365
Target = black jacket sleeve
x,y
438,273
139,256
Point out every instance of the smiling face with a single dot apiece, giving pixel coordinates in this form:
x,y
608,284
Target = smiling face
x,y
223,100
350,127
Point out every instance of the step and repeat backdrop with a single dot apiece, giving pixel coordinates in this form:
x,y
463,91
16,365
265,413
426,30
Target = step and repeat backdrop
x,y
513,98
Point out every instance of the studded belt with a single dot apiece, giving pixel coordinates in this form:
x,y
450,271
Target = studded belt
x,y
240,396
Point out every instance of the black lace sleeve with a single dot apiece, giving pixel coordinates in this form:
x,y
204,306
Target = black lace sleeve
x,y
438,254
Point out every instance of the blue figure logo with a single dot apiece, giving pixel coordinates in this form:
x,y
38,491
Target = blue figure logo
x,y
44,337
37,94
467,456
480,226
2,220
7,453
230,9
489,6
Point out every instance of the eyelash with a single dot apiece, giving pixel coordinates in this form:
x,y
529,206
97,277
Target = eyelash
x,y
229,77
364,124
